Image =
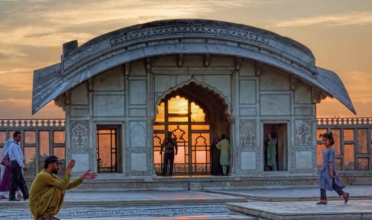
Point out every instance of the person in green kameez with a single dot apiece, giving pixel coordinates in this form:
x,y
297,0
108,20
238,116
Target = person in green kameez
x,y
48,191
224,146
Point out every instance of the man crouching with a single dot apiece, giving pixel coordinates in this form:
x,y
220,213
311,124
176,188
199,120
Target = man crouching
x,y
48,191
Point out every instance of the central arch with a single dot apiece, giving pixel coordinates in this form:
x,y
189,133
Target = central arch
x,y
196,115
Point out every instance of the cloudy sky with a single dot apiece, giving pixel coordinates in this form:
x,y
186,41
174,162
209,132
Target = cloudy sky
x,y
32,32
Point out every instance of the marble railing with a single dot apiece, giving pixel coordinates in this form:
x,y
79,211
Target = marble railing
x,y
345,121
31,123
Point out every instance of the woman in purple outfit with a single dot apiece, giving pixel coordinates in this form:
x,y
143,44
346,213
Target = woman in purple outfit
x,y
328,178
6,175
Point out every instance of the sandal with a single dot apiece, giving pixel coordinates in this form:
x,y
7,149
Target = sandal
x,y
3,197
346,198
321,203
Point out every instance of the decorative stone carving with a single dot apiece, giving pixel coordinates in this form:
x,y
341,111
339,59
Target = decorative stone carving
x,y
303,132
248,133
204,29
79,133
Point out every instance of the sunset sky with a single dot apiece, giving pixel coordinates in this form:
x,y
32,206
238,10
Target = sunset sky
x,y
339,32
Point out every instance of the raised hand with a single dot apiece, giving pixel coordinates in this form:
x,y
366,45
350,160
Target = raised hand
x,y
70,165
89,175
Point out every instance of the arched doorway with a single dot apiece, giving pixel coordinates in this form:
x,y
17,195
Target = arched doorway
x,y
195,116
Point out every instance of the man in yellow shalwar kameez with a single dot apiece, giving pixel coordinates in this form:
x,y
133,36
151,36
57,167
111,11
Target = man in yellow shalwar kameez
x,y
48,191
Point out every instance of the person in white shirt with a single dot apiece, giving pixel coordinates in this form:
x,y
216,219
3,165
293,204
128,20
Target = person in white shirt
x,y
16,165
6,173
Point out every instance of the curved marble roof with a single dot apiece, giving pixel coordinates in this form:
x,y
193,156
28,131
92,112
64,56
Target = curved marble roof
x,y
185,36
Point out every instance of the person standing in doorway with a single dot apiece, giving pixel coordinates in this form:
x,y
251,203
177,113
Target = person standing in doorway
x,y
16,166
224,146
216,168
328,178
170,144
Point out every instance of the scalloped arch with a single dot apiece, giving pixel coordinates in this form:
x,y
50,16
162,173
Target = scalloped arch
x,y
217,93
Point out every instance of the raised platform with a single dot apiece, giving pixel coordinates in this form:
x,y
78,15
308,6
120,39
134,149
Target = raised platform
x,y
108,183
304,210
293,194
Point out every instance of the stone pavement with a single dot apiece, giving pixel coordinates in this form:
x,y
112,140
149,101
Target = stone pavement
x,y
125,212
296,194
133,204
140,197
305,210
173,205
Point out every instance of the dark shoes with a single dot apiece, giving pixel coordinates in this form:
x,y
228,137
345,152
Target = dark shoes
x,y
346,197
322,203
14,200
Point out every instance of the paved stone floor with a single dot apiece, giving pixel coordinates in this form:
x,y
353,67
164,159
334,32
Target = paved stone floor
x,y
140,197
299,194
84,212
305,210
172,205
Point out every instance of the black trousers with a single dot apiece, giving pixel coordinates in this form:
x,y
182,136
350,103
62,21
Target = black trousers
x,y
168,157
17,180
339,191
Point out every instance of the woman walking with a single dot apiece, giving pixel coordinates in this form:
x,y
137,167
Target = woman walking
x,y
328,178
6,173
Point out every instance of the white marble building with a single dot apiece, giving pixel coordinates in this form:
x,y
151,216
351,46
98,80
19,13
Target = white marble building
x,y
240,80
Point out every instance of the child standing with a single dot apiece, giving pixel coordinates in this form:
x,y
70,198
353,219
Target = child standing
x,y
328,178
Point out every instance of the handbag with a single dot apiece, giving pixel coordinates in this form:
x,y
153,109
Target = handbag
x,y
6,161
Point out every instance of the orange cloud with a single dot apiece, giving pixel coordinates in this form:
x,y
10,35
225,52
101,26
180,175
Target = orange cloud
x,y
350,18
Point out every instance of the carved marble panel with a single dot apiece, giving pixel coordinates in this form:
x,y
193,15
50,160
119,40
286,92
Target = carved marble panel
x,y
304,160
248,133
305,111
79,95
137,68
247,69
303,132
109,105
84,158
111,80
82,162
247,90
248,160
137,92
275,104
138,112
273,80
138,162
302,95
79,132
138,134
248,111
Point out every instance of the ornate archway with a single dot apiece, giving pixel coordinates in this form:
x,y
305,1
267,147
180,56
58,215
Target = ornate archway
x,y
195,115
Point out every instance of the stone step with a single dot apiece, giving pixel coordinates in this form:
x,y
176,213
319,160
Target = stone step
x,y
296,194
199,217
357,209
